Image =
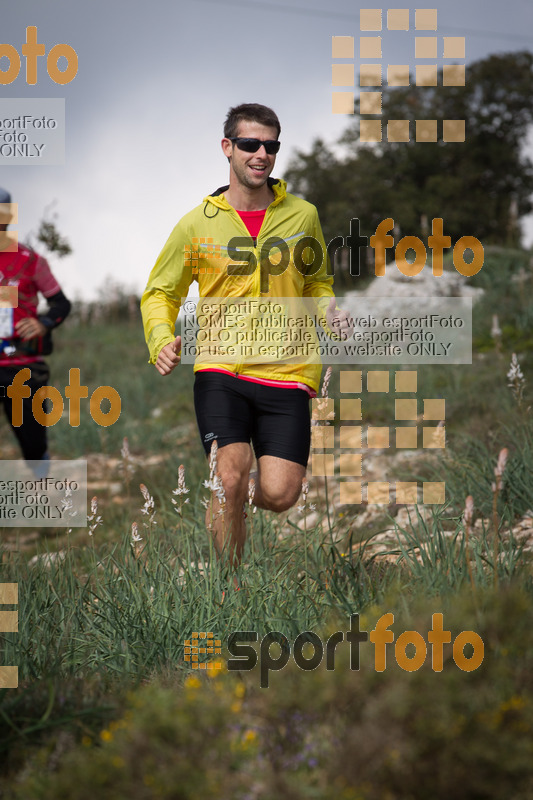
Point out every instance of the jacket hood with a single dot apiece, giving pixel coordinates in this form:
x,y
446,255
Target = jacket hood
x,y
278,186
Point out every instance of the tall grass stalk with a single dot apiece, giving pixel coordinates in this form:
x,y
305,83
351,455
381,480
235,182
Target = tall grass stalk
x,y
127,466
322,405
497,485
179,492
251,512
468,516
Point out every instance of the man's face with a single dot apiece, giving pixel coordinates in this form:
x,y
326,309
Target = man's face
x,y
251,169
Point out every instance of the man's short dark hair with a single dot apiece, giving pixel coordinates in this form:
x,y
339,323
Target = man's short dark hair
x,y
250,112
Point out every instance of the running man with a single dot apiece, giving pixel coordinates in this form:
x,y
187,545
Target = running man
x,y
266,404
24,334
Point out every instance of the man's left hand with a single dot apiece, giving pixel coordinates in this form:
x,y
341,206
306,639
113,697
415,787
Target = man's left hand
x,y
340,322
29,328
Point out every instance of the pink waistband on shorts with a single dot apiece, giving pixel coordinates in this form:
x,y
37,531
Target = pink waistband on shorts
x,y
265,381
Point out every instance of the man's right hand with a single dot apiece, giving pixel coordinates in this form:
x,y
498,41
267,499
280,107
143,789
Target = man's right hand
x,y
169,357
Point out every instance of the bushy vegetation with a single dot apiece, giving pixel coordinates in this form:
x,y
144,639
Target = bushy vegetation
x,y
343,734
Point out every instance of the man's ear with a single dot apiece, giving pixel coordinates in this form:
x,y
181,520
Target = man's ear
x,y
227,148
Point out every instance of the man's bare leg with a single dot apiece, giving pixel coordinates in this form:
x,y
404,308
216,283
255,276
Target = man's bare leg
x,y
227,523
278,483
278,486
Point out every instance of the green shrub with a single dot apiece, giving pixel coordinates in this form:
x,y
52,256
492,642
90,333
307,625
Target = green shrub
x,y
345,733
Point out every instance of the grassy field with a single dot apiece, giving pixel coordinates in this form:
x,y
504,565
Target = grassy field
x,y
108,704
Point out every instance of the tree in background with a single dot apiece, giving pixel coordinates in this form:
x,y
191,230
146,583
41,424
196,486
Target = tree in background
x,y
52,239
480,187
48,235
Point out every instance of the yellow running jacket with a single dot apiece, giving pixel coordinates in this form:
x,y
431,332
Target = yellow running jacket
x,y
197,249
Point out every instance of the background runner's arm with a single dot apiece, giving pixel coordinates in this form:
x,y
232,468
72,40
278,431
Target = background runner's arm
x,y
58,305
58,310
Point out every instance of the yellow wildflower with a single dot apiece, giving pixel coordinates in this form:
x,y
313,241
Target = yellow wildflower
x,y
514,703
249,736
215,670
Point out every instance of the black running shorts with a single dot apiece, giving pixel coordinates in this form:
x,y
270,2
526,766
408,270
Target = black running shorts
x,y
231,409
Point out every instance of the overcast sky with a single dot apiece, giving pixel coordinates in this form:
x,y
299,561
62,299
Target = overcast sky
x,y
144,114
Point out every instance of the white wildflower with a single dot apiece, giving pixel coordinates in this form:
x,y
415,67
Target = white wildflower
x,y
515,373
125,449
499,469
67,503
127,462
495,331
182,489
251,494
94,519
214,483
325,383
305,492
322,403
149,505
135,533
516,380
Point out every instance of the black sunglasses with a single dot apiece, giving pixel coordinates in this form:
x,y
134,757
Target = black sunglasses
x,y
252,145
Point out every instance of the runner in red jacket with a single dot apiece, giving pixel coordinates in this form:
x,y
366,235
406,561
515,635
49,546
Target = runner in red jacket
x,y
25,335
